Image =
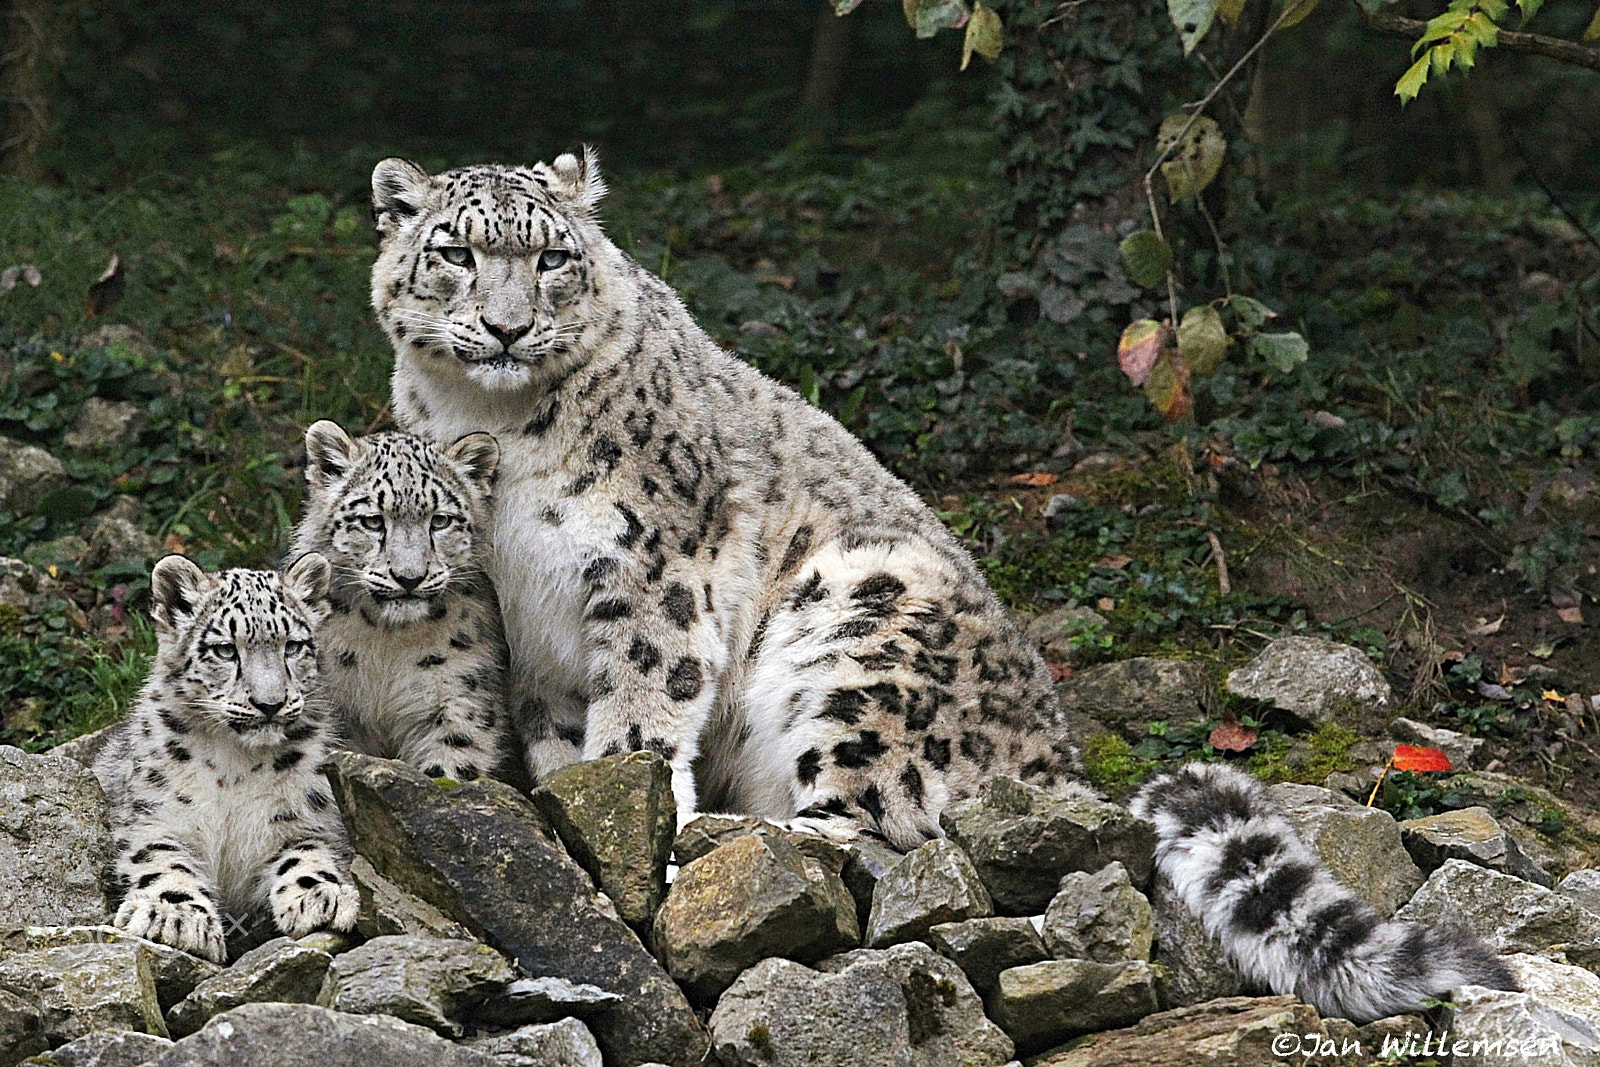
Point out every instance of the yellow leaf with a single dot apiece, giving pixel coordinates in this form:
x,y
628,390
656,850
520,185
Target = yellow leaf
x,y
1551,694
1230,10
1194,162
1202,340
985,35
1298,10
910,9
1593,32
1167,388
58,357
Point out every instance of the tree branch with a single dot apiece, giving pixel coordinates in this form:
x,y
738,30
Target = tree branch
x,y
1579,55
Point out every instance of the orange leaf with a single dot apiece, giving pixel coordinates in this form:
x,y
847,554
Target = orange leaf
x,y
1035,479
1058,671
1418,758
1232,736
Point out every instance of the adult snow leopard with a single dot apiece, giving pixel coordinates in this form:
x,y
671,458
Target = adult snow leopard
x,y
412,658
215,782
690,559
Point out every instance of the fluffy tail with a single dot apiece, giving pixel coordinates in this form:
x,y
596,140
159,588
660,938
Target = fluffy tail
x,y
1283,920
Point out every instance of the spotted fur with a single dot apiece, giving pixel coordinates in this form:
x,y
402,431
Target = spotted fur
x,y
688,557
219,804
413,660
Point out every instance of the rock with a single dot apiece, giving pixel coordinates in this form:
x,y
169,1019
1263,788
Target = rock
x,y
388,909
1043,1004
1099,917
1560,985
103,424
1310,677
935,884
333,942
21,1028
1190,964
1555,1020
707,832
542,1000
85,747
482,855
567,1043
897,1007
83,988
1584,887
106,1048
752,898
424,980
617,818
1510,914
176,973
1470,834
1460,748
305,1035
982,948
1054,630
20,582
1125,696
1022,840
54,841
1232,1032
866,862
27,475
46,554
279,970
114,540
1554,833
1360,845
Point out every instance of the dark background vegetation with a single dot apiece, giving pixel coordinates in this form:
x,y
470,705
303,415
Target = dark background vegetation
x,y
842,206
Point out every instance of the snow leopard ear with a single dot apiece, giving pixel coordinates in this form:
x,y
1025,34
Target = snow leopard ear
x,y
309,577
400,189
177,586
577,180
329,452
478,456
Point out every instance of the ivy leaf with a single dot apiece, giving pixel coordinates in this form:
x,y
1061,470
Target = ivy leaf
x,y
985,35
1282,351
1411,82
1145,258
1202,340
1192,18
936,15
1192,163
1529,8
1418,758
1139,348
1298,11
1252,313
1168,386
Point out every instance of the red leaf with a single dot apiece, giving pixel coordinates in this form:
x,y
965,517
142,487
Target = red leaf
x,y
1417,758
1058,671
1035,479
1139,348
1232,736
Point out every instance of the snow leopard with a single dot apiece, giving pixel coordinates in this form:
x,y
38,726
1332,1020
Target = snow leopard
x,y
219,805
692,560
413,661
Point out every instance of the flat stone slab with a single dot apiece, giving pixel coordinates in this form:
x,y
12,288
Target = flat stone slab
x,y
1043,1004
279,970
1470,834
1230,1032
1362,846
54,841
106,1048
83,988
543,1000
424,980
304,1035
566,1043
176,972
1510,914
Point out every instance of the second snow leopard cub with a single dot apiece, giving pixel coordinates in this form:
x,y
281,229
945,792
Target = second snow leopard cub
x,y
413,660
215,784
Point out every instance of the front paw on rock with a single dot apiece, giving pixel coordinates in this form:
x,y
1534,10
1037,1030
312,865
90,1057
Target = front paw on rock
x,y
190,926
324,905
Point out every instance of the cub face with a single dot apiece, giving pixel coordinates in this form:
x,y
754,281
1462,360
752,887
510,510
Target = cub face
x,y
400,520
489,268
239,646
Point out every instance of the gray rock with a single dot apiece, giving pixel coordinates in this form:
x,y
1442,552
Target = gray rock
x,y
1190,965
1471,834
20,582
1022,840
279,970
103,424
542,1000
566,1043
106,1048
46,554
176,973
935,884
388,909
304,1035
1460,748
1232,1032
83,988
85,747
708,832
1054,630
866,862
617,818
1557,1014
1043,1004
333,942
114,540
424,980
1310,677
1125,696
754,897
1099,917
54,841
1360,845
982,948
897,1007
21,1028
27,474
482,855
1584,887
1510,914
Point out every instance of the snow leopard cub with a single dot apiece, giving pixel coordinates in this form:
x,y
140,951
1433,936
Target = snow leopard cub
x,y
218,801
412,656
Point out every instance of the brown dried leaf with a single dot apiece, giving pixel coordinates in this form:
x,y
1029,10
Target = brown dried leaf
x,y
1035,479
1573,615
1232,736
1485,628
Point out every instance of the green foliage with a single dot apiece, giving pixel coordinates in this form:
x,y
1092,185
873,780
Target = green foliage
x,y
1453,39
57,681
1110,763
1411,795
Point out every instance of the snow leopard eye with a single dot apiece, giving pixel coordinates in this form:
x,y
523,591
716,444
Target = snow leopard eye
x,y
372,522
441,522
293,648
457,255
222,650
551,258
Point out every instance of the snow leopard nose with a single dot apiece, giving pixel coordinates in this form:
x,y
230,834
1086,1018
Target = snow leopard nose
x,y
406,581
506,335
267,709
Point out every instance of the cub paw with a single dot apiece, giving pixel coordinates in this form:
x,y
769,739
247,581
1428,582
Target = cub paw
x,y
309,904
189,925
838,830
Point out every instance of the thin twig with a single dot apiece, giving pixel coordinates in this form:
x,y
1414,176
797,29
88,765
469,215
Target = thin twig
x,y
1222,564
1579,55
1222,249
